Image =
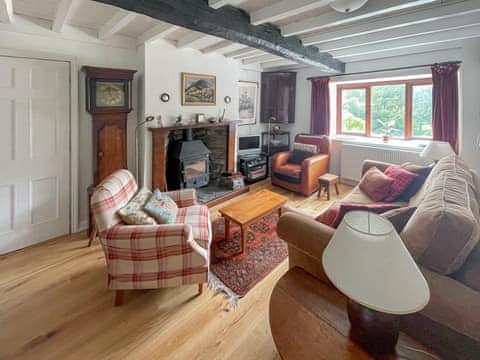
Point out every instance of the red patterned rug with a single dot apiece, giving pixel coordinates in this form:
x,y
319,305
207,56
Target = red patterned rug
x,y
238,274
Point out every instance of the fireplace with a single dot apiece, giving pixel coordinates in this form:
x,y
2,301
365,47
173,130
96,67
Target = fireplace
x,y
188,163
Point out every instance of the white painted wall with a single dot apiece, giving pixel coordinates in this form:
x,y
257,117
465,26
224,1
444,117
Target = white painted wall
x,y
164,64
467,51
35,35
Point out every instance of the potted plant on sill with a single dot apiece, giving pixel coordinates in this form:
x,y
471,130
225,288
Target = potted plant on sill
x,y
387,128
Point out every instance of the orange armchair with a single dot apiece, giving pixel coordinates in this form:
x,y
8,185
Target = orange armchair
x,y
302,178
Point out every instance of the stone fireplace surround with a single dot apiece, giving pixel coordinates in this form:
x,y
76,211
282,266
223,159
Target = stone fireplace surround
x,y
220,138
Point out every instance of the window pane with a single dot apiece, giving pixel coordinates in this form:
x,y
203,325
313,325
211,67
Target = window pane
x,y
353,110
422,111
388,110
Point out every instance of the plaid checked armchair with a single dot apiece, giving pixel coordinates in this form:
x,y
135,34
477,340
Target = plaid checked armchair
x,y
151,256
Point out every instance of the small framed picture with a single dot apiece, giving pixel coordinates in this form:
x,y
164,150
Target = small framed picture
x,y
200,118
247,102
198,89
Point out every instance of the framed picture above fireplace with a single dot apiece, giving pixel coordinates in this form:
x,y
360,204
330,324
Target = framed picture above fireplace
x,y
247,102
198,89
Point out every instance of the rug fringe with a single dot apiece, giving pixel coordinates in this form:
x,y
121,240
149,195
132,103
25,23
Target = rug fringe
x,y
218,286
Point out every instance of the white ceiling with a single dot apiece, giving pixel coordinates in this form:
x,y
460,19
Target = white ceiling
x,y
380,28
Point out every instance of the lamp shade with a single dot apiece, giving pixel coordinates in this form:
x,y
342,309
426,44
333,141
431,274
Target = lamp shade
x,y
368,262
436,150
346,6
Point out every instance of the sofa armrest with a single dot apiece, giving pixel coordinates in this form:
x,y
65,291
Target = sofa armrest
x,y
145,237
280,159
306,240
367,164
304,233
183,198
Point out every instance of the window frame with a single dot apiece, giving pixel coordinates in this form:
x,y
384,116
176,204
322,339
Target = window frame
x,y
409,84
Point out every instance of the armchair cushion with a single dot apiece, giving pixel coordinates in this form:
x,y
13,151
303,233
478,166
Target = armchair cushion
x,y
297,156
162,208
133,213
198,217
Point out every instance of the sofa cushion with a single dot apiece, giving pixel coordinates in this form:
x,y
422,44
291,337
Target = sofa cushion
x,y
399,217
402,180
469,273
376,184
297,156
417,183
133,213
198,217
291,170
446,226
162,208
450,319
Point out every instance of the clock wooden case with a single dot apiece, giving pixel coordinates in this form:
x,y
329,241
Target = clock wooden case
x,y
109,101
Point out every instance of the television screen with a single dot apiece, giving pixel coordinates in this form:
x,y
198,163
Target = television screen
x,y
249,142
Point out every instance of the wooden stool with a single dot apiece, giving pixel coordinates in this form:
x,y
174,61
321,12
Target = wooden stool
x,y
325,181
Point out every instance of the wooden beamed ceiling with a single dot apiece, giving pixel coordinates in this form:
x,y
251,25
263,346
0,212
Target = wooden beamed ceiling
x,y
271,33
232,24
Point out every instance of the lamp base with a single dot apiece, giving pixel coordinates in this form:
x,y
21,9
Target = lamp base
x,y
375,331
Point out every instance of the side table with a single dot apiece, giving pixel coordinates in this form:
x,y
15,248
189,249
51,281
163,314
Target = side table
x,y
308,320
325,181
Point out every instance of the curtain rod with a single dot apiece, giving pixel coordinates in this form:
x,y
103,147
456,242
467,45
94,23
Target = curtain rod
x,y
383,70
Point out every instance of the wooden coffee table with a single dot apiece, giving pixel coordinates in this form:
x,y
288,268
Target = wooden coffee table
x,y
249,209
308,319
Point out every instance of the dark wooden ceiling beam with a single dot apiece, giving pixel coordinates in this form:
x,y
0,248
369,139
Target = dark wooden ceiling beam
x,y
232,24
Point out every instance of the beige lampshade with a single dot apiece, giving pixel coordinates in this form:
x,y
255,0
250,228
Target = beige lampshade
x,y
368,262
436,150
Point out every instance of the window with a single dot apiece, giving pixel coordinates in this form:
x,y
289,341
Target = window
x,y
401,109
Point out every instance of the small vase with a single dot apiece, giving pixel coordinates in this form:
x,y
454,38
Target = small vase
x,y
386,138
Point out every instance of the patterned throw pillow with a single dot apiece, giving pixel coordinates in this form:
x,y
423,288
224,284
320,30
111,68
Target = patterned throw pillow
x,y
133,213
376,184
305,147
417,183
402,179
162,208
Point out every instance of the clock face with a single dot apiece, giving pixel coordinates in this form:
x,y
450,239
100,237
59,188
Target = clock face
x,y
110,94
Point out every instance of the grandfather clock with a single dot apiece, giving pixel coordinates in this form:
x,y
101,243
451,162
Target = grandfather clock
x,y
109,100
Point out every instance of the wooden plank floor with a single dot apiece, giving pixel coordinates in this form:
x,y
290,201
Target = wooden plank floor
x,y
54,305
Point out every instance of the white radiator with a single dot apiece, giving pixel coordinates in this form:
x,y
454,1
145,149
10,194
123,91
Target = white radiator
x,y
353,155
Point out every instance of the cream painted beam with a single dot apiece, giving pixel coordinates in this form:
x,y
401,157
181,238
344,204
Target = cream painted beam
x,y
260,59
284,9
6,11
240,52
121,19
249,55
409,19
157,32
443,46
217,4
277,63
438,37
217,46
189,39
452,23
61,15
371,9
230,48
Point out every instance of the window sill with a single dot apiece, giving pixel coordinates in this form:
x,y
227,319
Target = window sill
x,y
409,145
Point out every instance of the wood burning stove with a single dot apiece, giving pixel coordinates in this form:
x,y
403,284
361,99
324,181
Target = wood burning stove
x,y
188,163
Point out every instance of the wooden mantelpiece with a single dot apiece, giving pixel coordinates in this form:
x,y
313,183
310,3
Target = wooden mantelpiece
x,y
159,148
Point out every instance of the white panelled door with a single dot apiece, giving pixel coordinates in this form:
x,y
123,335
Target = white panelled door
x,y
34,151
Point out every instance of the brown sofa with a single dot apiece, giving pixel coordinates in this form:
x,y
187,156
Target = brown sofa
x,y
450,323
302,178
